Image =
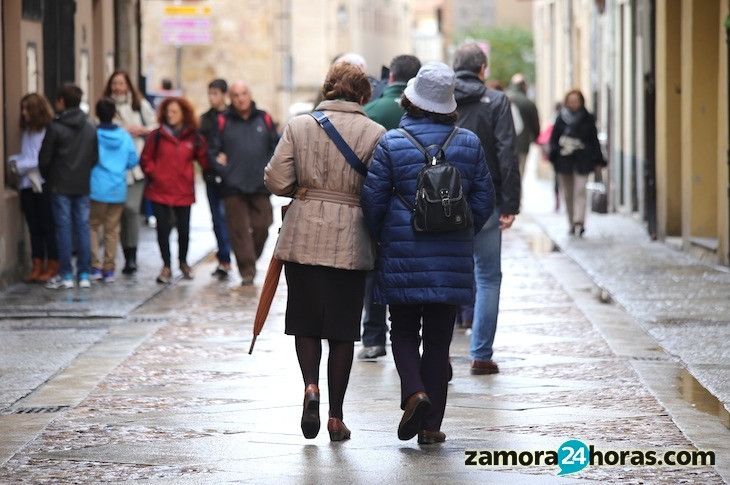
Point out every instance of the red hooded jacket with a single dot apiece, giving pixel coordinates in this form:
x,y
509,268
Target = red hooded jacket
x,y
167,161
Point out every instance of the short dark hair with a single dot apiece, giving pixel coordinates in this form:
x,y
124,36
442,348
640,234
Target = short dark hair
x,y
105,110
166,84
219,84
469,57
71,95
415,112
578,93
348,82
404,68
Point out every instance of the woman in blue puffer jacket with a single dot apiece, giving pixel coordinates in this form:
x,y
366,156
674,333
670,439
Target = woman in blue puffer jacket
x,y
424,276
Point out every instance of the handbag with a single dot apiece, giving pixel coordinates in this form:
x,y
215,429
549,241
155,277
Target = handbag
x,y
599,194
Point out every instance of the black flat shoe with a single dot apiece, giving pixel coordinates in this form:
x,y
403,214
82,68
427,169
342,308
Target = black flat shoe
x,y
310,414
337,430
416,408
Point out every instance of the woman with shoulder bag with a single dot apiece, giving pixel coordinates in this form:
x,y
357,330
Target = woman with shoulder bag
x,y
425,276
134,114
323,240
575,153
167,161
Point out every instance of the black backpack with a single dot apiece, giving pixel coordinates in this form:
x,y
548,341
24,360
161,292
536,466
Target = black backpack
x,y
440,204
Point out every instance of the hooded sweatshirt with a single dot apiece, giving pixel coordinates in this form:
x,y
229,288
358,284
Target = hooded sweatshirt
x,y
117,154
68,153
488,113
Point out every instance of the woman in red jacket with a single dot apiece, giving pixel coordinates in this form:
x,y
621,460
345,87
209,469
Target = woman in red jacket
x,y
167,161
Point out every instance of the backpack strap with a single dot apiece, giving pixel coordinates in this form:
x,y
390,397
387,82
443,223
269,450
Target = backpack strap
x,y
221,122
350,156
420,147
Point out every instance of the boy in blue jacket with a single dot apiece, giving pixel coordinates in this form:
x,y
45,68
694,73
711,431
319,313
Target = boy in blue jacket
x,y
117,154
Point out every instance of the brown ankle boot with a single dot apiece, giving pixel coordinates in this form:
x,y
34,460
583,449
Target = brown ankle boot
x,y
50,271
35,272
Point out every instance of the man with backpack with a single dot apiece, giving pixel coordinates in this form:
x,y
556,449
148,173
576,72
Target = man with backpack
x,y
487,113
240,147
68,153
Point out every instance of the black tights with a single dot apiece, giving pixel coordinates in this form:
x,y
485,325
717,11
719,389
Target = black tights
x,y
339,363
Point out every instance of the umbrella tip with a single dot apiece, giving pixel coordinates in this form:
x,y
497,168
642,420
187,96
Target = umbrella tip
x,y
253,342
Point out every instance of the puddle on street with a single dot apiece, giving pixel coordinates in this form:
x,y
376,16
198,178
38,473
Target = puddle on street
x,y
540,243
700,398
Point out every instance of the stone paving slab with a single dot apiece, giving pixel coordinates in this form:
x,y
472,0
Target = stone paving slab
x,y
191,406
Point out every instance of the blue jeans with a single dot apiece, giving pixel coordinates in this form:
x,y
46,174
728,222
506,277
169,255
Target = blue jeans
x,y
218,214
374,328
71,217
488,275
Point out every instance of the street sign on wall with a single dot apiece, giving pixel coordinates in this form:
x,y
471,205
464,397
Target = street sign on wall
x,y
186,25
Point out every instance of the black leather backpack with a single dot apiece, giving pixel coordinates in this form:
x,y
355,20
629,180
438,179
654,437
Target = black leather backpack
x,y
440,205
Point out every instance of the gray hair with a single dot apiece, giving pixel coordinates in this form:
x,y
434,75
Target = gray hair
x,y
469,57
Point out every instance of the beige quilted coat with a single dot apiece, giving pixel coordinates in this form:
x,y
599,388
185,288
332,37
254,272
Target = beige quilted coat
x,y
316,231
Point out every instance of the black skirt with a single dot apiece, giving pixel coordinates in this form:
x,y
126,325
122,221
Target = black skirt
x,y
324,302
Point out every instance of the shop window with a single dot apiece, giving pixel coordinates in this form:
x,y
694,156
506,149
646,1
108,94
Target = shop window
x,y
33,9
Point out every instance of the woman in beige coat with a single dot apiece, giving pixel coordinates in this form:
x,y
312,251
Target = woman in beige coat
x,y
323,241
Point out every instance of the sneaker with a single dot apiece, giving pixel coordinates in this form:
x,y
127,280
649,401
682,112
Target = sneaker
x,y
221,272
371,352
84,281
96,274
484,367
165,276
60,283
108,276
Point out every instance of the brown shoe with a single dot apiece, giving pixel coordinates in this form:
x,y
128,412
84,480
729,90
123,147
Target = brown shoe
x,y
50,272
35,272
186,271
426,437
337,430
165,276
310,413
484,367
415,409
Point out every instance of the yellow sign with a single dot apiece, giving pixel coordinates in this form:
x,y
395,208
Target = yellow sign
x,y
188,10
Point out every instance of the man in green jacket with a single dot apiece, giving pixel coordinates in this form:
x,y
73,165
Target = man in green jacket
x,y
387,111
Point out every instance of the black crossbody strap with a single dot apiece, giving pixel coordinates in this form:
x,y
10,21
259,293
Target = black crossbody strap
x,y
340,143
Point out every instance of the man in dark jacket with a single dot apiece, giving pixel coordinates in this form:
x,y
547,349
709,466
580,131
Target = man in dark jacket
x,y
68,153
488,114
385,110
240,149
517,94
217,92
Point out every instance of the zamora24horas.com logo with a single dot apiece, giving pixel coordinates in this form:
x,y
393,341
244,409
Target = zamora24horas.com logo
x,y
574,455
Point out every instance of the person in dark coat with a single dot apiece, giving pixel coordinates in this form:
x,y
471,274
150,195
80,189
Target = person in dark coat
x,y
239,151
530,127
68,153
488,114
424,277
167,161
575,152
386,111
209,122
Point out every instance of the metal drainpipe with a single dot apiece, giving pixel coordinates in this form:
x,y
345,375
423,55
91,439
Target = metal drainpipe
x,y
727,39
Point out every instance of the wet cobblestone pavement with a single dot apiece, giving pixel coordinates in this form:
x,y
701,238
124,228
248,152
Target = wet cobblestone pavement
x,y
184,403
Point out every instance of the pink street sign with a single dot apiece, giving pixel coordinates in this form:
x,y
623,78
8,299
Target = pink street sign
x,y
186,31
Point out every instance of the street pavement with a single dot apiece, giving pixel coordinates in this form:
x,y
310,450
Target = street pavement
x,y
170,395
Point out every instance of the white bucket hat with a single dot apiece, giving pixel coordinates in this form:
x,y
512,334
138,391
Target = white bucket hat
x,y
433,88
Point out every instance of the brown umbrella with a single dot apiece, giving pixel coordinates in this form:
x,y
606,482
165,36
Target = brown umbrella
x,y
271,281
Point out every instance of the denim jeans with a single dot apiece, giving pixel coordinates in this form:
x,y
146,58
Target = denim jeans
x,y
374,328
71,217
218,214
488,276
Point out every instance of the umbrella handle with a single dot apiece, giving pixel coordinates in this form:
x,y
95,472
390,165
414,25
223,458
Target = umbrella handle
x,y
253,342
